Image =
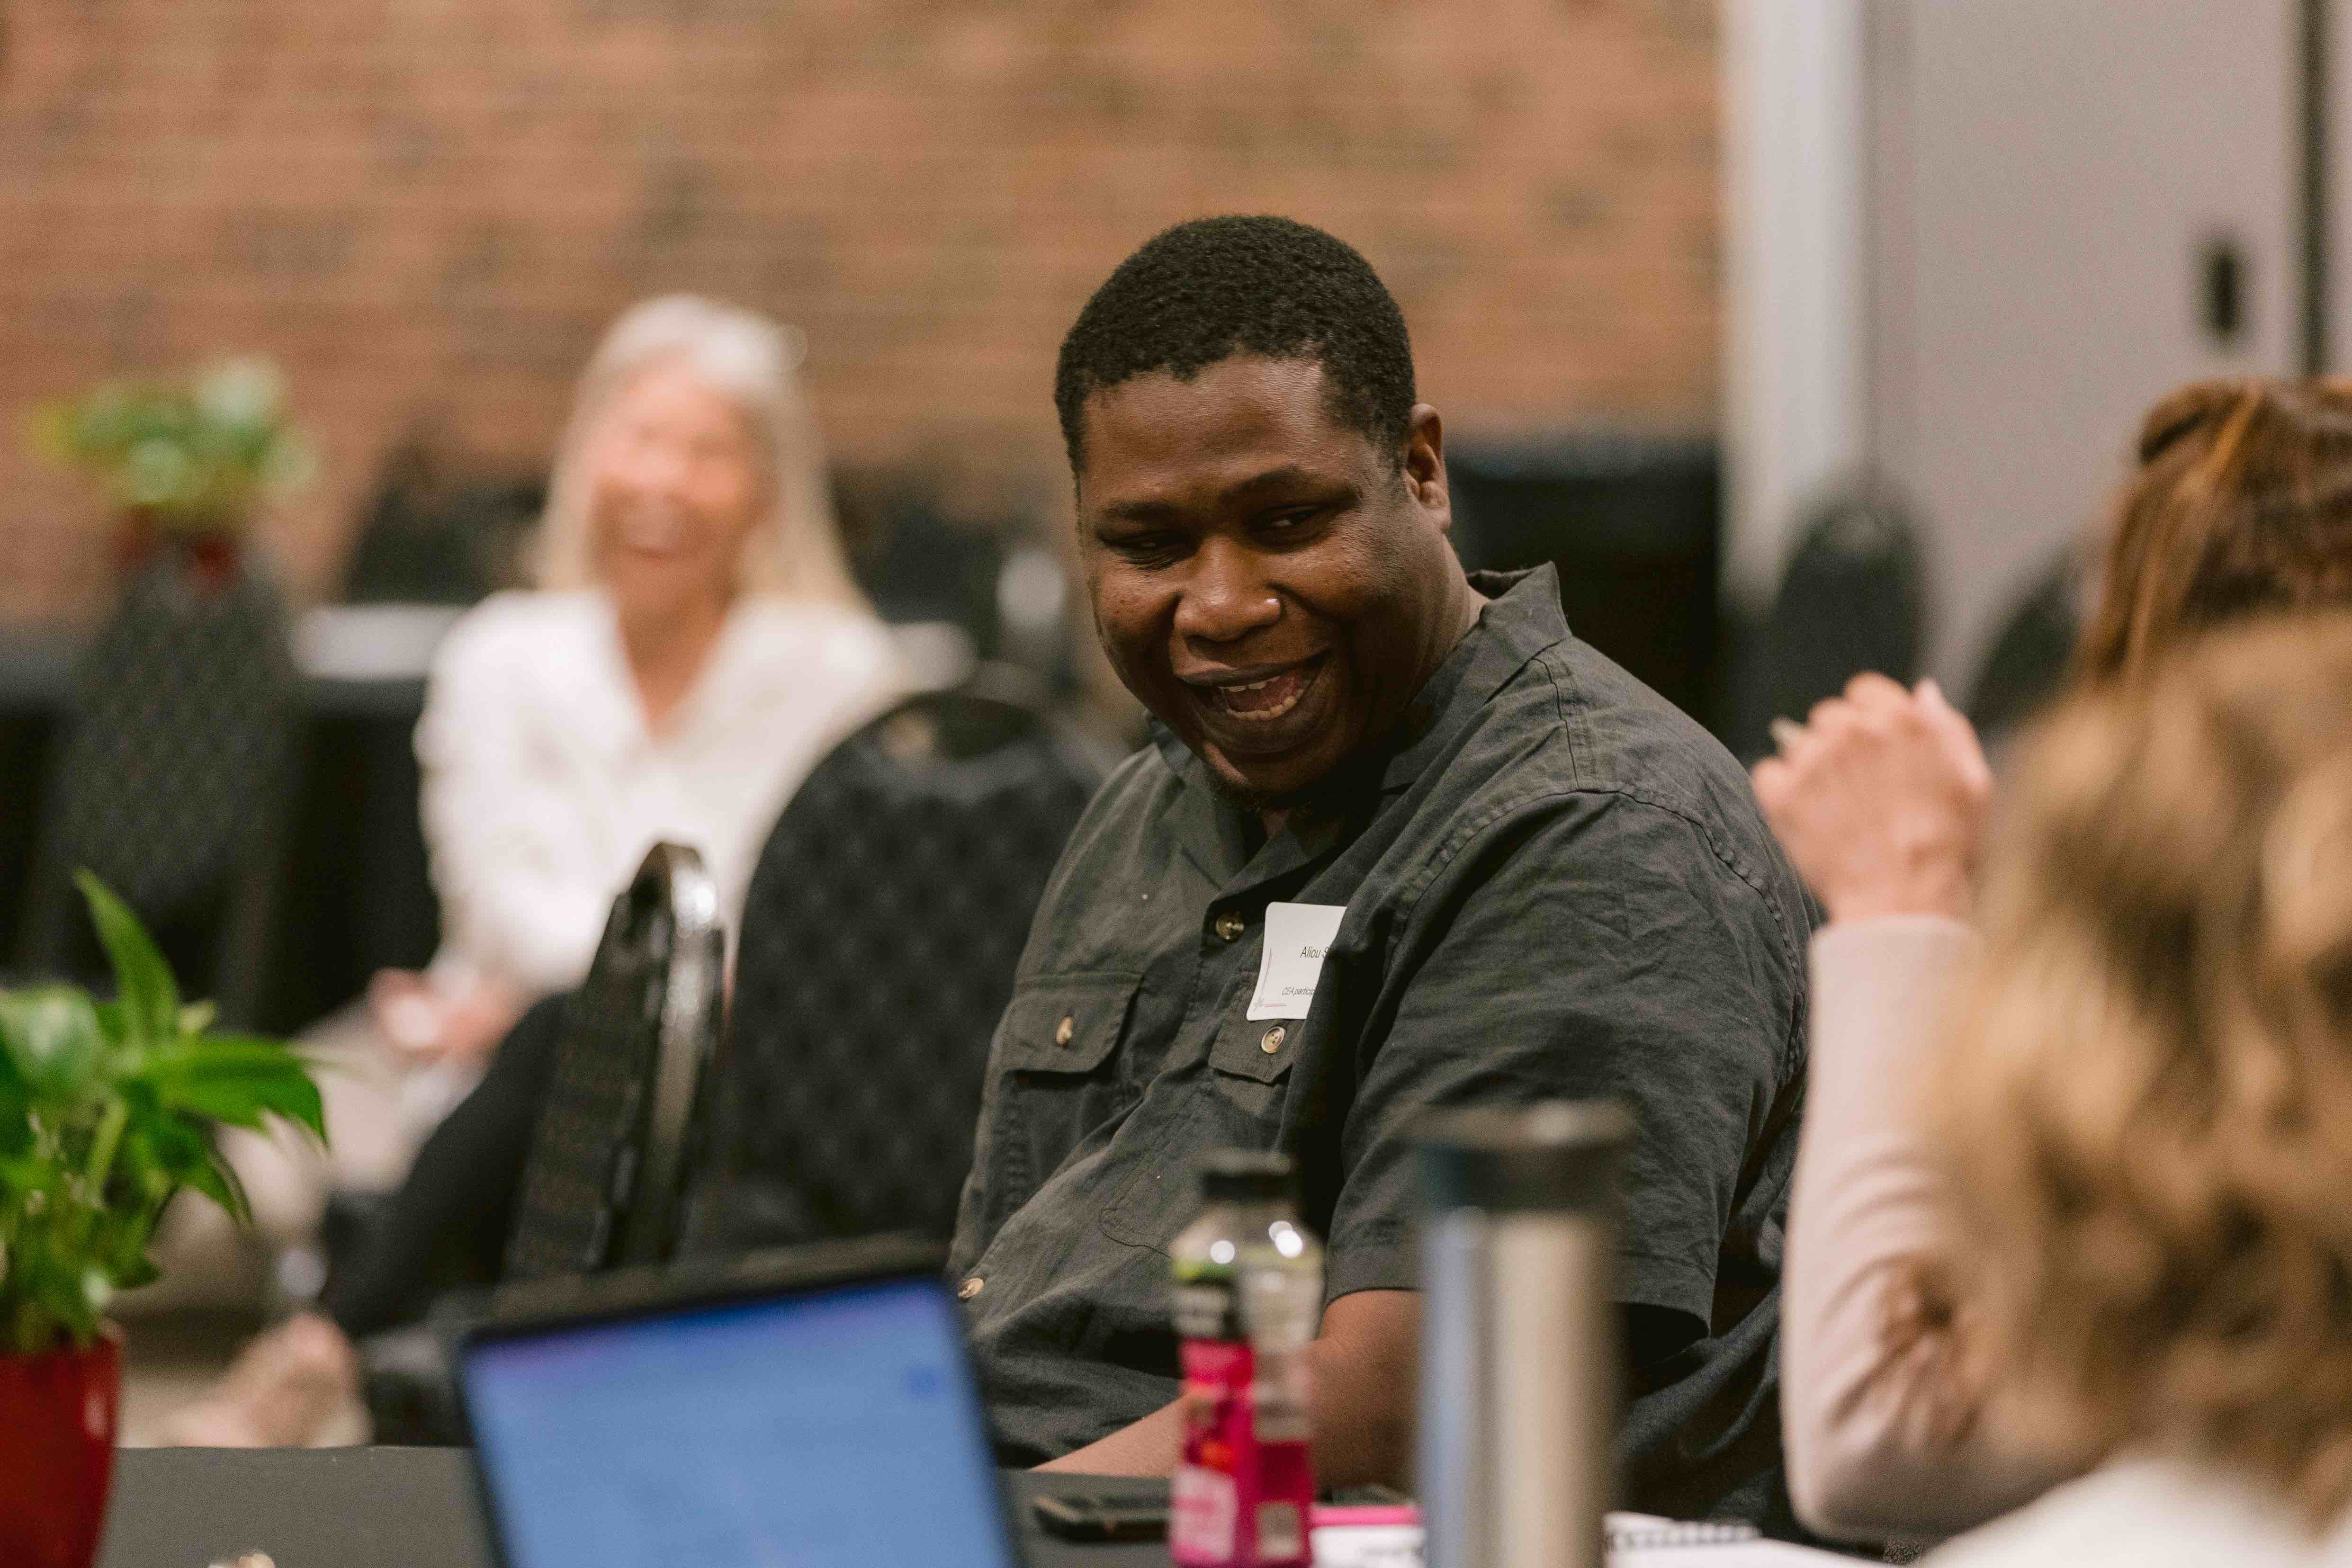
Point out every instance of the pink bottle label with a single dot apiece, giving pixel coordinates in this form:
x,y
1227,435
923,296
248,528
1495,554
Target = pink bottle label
x,y
1235,1501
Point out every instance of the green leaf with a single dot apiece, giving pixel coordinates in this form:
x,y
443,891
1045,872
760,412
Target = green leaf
x,y
236,1078
16,1117
165,1151
219,1180
136,1271
50,1036
150,1000
107,1109
15,1102
26,1172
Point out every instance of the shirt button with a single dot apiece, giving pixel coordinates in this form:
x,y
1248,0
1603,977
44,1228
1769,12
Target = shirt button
x,y
1270,1041
1064,1029
1230,925
971,1288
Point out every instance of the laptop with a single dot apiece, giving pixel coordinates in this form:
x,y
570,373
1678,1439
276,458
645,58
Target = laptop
x,y
813,1408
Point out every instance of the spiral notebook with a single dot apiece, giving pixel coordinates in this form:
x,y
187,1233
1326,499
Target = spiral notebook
x,y
1647,1541
1749,1553
1646,1531
1634,1541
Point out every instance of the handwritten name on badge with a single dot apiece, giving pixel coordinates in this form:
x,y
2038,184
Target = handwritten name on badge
x,y
1297,937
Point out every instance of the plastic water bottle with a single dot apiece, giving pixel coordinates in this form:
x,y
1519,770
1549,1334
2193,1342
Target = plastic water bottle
x,y
1249,1300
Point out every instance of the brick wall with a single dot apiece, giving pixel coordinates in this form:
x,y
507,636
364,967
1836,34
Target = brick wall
x,y
426,209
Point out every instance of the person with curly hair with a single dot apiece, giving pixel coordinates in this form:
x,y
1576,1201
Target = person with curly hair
x,y
2143,1113
2242,503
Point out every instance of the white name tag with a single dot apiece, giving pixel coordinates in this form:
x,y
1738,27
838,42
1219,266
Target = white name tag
x,y
1297,937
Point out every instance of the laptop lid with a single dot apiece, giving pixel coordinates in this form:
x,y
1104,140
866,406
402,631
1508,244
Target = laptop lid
x,y
816,1409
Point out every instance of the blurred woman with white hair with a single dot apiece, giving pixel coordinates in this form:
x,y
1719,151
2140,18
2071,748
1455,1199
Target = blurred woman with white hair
x,y
695,647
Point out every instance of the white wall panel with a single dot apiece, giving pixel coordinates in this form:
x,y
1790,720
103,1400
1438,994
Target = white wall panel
x,y
1794,395
2053,170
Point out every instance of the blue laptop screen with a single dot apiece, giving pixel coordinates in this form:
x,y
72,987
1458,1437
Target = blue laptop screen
x,y
835,1427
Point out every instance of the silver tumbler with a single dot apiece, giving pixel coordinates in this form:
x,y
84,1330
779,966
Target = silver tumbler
x,y
1518,1350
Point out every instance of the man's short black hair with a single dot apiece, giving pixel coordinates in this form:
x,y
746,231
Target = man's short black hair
x,y
1203,291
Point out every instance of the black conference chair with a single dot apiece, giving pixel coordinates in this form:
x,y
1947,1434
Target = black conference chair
x,y
172,781
600,1187
2026,663
438,531
1634,525
624,1111
1853,598
884,923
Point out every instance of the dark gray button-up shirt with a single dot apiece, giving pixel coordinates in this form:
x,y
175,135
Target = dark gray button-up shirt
x,y
1556,886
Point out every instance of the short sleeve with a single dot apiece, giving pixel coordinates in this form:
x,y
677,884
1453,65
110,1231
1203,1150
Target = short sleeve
x,y
1586,946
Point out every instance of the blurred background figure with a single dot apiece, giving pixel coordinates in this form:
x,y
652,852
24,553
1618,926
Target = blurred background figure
x,y
697,647
698,644
2243,503
2142,1107
2242,506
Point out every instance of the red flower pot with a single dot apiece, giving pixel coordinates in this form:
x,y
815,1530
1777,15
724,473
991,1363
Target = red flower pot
x,y
207,559
56,1453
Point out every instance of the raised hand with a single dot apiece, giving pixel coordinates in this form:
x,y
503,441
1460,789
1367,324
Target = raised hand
x,y
1880,799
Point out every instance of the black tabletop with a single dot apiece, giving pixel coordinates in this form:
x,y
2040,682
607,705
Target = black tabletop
x,y
397,1508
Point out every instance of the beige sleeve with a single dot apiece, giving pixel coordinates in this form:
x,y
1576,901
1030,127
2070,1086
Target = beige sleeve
x,y
1880,1436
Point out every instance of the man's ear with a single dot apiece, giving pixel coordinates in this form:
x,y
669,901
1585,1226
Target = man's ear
x,y
1424,464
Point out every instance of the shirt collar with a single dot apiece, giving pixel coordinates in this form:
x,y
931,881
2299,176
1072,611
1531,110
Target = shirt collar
x,y
1520,619
1173,751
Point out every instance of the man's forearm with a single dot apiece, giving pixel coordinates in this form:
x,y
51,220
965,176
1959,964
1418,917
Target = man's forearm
x,y
1361,1404
1147,1447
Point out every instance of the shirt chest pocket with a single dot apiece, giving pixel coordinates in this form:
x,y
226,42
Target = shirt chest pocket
x,y
1258,1050
1237,1105
1249,1061
1055,1077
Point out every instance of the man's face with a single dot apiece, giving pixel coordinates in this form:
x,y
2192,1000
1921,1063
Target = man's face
x,y
1265,579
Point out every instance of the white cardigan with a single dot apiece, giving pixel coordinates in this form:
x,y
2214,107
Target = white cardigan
x,y
2150,1513
542,788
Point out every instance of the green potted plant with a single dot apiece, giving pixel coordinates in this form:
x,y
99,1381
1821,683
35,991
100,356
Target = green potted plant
x,y
108,1108
188,465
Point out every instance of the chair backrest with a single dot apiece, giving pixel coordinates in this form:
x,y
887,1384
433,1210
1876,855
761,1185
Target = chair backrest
x,y
1633,524
439,531
173,777
885,917
601,1186
2026,663
1853,598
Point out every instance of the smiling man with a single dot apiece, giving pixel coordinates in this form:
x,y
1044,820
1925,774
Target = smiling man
x,y
1545,882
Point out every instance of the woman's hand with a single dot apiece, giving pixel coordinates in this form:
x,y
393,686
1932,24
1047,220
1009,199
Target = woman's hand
x,y
1880,799
427,1020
